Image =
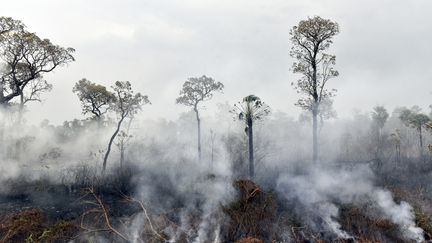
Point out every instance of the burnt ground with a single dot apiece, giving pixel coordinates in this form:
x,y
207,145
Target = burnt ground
x,y
42,211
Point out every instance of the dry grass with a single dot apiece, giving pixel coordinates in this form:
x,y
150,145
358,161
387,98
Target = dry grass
x,y
249,240
31,226
252,214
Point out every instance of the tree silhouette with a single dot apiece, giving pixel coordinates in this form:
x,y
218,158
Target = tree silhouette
x,y
310,39
194,91
126,104
249,110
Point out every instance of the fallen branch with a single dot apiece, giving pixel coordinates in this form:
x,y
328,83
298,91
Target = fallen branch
x,y
102,210
131,199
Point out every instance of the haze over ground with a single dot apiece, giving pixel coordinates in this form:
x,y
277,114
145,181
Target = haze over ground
x,y
383,50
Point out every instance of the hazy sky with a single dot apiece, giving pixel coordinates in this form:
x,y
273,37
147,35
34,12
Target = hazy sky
x,y
383,51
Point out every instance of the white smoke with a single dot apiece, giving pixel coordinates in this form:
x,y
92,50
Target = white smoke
x,y
319,190
401,214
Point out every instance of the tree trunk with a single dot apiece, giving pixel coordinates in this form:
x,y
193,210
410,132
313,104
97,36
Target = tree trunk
x,y
121,154
379,143
112,140
21,108
251,152
2,102
315,133
2,121
19,146
398,151
99,122
212,137
2,130
2,125
421,142
199,132
315,105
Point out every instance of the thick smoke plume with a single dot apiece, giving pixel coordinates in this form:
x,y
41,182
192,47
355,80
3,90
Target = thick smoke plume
x,y
171,183
320,189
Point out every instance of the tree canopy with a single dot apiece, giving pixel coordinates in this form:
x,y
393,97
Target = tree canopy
x,y
310,38
195,90
127,103
380,116
26,58
413,118
251,108
95,98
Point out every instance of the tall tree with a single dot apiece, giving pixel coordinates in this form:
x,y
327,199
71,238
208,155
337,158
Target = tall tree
x,y
396,139
310,39
413,118
249,110
194,91
379,118
212,147
126,105
26,58
95,98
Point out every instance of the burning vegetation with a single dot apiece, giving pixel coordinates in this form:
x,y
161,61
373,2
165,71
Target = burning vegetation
x,y
115,178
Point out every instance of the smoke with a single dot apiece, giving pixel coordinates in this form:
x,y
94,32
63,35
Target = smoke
x,y
192,187
169,178
8,170
171,182
401,214
319,191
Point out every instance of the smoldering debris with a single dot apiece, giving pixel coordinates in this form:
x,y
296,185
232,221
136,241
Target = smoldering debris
x,y
320,190
186,200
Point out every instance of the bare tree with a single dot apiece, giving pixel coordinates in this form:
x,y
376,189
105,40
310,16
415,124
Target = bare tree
x,y
126,104
251,109
194,91
95,98
310,39
26,58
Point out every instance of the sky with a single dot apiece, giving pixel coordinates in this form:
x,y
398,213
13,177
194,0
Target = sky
x,y
383,50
